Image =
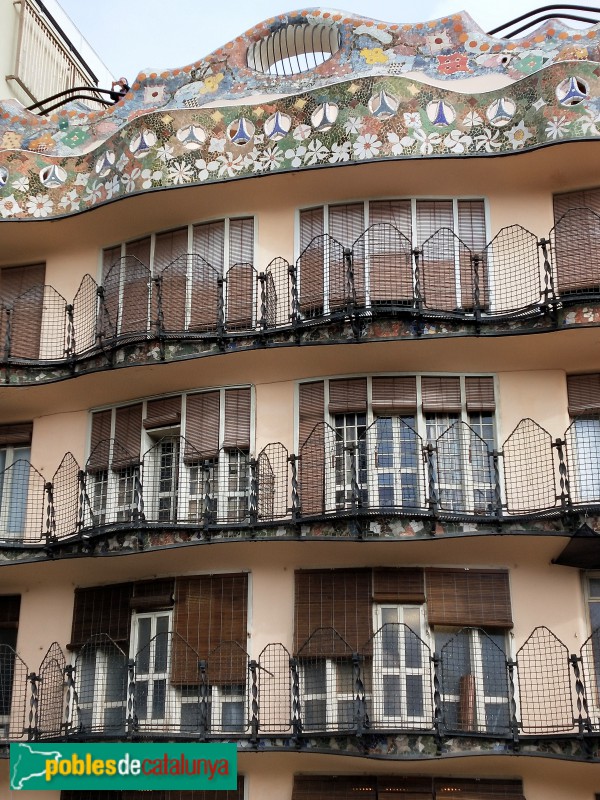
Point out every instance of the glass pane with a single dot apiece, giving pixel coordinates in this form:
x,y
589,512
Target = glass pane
x,y
115,718
594,587
414,695
233,716
391,696
315,714
19,490
389,614
116,677
595,615
345,711
141,699
144,632
159,697
190,716
161,644
86,676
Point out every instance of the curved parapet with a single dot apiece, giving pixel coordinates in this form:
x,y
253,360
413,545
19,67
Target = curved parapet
x,y
303,90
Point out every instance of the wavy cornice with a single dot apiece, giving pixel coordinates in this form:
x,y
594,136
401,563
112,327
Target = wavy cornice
x,y
441,88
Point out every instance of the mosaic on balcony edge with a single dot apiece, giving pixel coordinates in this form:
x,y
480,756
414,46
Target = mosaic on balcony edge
x,y
307,89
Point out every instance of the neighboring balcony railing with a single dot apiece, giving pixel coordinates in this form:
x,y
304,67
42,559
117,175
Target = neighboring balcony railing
x,y
388,471
395,683
515,277
45,64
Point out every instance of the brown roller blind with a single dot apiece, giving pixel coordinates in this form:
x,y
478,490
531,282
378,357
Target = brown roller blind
x,y
10,606
394,394
584,394
209,242
110,256
169,246
585,198
311,408
15,281
396,787
348,396
210,610
440,394
163,794
162,412
99,455
140,249
241,241
338,599
479,789
16,434
311,225
128,432
480,394
152,595
471,224
431,216
237,419
393,212
340,787
398,585
472,597
102,609
346,223
202,425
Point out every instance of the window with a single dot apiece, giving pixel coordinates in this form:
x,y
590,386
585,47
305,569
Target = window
x,y
9,667
381,234
20,513
583,437
394,619
191,261
22,290
195,463
591,649
575,242
351,787
173,794
361,441
187,639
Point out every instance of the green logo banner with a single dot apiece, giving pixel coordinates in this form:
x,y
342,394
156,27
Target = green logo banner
x,y
48,766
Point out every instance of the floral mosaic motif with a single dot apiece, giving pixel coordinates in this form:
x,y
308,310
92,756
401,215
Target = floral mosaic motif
x,y
373,99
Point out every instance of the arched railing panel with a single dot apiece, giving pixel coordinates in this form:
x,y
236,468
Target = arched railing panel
x,y
474,688
22,503
545,693
204,299
447,280
240,297
126,297
529,469
51,693
590,669
98,703
512,259
278,293
323,283
14,695
272,476
382,267
85,316
463,471
113,486
320,472
275,689
227,677
65,494
582,451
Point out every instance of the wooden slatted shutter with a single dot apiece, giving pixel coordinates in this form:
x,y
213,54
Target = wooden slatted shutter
x,y
15,281
110,256
338,599
439,263
16,435
210,610
474,598
135,275
348,396
390,268
10,607
440,394
584,394
202,418
140,249
152,595
584,198
240,277
128,433
237,419
471,230
480,394
183,794
23,289
311,263
168,247
311,408
396,787
396,395
209,242
402,585
102,610
346,224
311,474
340,787
163,412
576,240
479,789
100,453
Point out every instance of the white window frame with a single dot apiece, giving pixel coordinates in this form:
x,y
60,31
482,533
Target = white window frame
x,y
11,485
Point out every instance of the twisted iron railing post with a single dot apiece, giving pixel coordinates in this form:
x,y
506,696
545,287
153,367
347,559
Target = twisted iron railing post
x,y
354,488
361,720
8,334
437,696
475,262
70,337
583,720
83,499
50,523
350,287
563,474
203,699
138,495
207,511
71,698
262,280
429,451
132,721
33,717
293,286
418,295
159,322
254,722
221,305
549,294
512,702
253,499
102,314
497,486
293,460
296,706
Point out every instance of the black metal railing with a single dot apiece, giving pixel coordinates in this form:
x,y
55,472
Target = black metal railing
x,y
468,685
387,470
514,276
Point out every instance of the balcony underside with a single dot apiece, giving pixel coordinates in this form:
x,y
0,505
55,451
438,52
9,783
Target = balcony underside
x,y
359,327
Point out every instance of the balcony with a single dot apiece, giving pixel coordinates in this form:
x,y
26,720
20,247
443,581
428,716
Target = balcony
x,y
389,472
396,685
517,283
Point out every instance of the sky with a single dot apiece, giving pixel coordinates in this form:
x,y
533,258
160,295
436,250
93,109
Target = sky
x,y
158,35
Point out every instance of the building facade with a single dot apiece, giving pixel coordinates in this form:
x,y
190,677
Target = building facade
x,y
300,413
